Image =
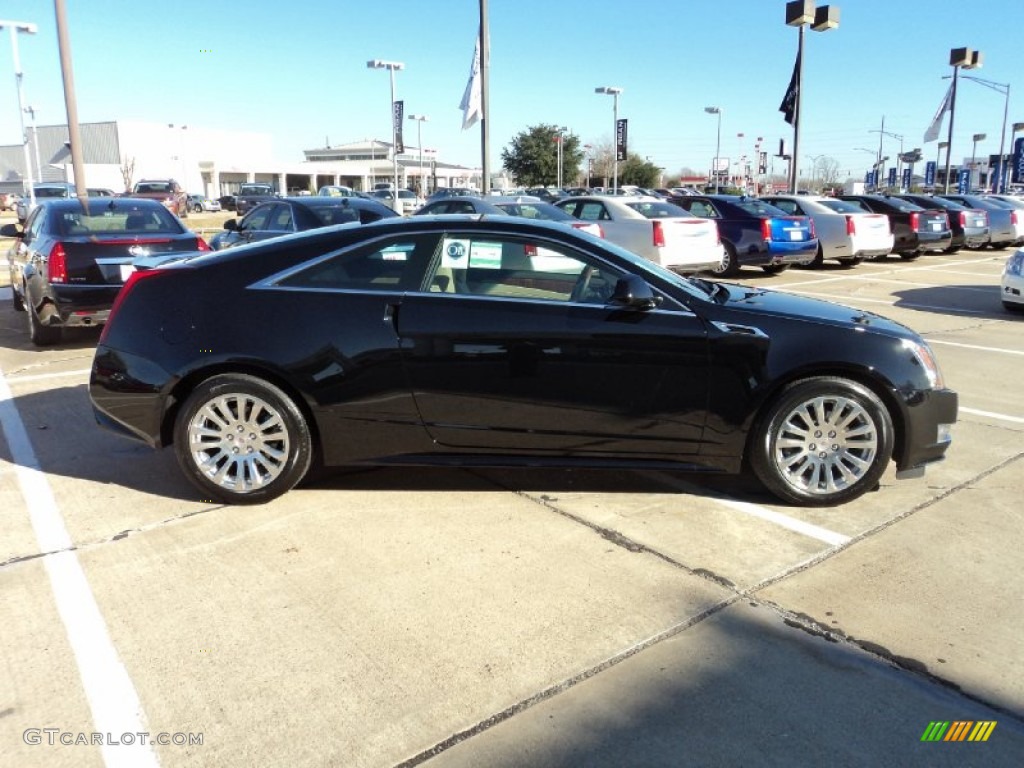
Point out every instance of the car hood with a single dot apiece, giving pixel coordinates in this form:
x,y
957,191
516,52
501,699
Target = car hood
x,y
759,301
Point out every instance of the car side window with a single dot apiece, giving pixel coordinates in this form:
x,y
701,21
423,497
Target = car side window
x,y
34,225
505,266
258,218
591,211
281,219
396,263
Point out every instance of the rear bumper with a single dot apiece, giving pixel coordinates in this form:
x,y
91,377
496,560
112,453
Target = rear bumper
x,y
77,305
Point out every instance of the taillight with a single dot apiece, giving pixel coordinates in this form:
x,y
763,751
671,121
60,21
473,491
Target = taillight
x,y
948,225
810,226
600,231
963,218
718,235
1014,218
202,245
57,264
851,225
659,234
133,279
915,221
766,229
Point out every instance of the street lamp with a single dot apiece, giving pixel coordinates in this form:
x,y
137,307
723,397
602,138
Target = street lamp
x,y
420,119
974,149
28,27
391,66
959,58
31,112
799,13
1003,88
590,164
558,155
614,92
718,143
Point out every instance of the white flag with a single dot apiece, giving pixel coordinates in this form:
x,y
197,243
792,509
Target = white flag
x,y
472,102
933,130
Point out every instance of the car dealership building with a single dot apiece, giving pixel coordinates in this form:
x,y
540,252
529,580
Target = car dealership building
x,y
216,162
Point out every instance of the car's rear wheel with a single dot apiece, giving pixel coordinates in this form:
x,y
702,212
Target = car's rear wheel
x,y
819,259
730,266
823,441
16,299
853,261
910,256
40,335
242,440
774,269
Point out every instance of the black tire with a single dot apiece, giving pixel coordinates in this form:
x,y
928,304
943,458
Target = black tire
x,y
40,335
240,414
819,259
1013,307
788,458
197,208
952,249
730,266
910,256
851,262
775,269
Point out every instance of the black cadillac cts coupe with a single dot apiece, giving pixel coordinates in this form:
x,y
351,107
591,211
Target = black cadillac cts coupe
x,y
480,340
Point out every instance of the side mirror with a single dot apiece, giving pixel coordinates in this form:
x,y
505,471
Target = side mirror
x,y
231,225
11,230
633,292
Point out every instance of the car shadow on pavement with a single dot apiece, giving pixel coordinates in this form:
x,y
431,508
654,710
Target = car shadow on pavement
x,y
972,300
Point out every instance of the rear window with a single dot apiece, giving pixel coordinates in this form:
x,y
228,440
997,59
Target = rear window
x,y
544,212
759,208
841,206
112,222
657,210
153,187
51,192
904,206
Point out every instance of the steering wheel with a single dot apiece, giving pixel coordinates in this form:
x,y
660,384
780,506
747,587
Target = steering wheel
x,y
582,287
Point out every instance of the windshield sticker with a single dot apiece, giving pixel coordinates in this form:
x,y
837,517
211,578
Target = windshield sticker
x,y
455,254
485,255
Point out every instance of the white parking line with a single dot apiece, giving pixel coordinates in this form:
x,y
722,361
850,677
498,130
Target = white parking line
x,y
977,347
754,510
42,376
990,415
112,697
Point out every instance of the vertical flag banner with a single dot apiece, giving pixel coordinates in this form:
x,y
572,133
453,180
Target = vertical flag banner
x,y
892,176
472,102
905,181
929,173
620,140
963,181
788,105
398,109
1017,169
933,130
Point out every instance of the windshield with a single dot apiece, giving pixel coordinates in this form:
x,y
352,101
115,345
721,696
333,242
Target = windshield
x,y
841,206
543,211
51,192
759,208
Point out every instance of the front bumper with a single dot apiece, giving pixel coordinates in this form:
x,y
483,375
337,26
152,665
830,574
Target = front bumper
x,y
930,415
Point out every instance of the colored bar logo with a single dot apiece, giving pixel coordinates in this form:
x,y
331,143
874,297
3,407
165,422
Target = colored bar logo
x,y
958,730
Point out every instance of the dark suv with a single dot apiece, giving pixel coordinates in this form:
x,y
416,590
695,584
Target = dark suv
x,y
915,229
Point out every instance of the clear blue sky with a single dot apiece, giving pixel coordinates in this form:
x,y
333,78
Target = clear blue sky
x,y
297,71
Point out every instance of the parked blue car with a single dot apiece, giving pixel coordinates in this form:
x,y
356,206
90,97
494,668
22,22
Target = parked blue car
x,y
755,233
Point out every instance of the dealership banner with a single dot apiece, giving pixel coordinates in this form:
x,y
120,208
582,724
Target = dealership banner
x,y
905,185
399,109
1017,169
929,173
963,181
620,140
892,176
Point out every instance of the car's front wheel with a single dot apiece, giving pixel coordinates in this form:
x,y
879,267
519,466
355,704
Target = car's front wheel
x,y
730,265
823,441
242,440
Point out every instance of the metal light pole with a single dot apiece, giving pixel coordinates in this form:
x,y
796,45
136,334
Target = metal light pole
x,y
15,27
420,119
800,13
391,66
1003,88
974,149
31,112
614,92
959,58
718,143
943,145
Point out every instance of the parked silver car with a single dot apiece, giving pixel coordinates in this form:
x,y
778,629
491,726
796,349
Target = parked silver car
x,y
845,232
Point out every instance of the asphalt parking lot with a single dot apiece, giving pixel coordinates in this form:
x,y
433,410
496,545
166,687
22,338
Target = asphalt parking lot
x,y
514,618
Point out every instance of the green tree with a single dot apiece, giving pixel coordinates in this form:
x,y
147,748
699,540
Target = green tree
x,y
532,157
639,172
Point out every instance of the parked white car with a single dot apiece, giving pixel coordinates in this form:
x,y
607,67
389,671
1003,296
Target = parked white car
x,y
409,200
659,231
1013,282
845,232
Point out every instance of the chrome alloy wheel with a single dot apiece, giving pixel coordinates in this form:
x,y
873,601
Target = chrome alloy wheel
x,y
239,442
825,444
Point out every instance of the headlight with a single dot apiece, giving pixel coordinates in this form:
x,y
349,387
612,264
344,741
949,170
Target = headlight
x,y
924,357
1015,264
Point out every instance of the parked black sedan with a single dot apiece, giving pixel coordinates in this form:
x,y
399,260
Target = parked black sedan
x,y
915,230
499,341
286,215
69,262
969,225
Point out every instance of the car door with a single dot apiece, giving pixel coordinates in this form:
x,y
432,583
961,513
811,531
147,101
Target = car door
x,y
256,225
511,346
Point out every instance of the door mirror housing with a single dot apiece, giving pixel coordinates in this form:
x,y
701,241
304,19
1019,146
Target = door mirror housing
x,y
633,292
